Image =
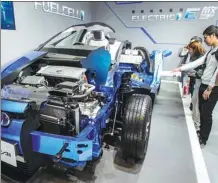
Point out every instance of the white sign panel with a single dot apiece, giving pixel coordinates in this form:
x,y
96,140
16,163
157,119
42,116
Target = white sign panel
x,y
204,13
8,153
55,8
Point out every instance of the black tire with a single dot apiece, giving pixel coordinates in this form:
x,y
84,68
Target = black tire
x,y
136,126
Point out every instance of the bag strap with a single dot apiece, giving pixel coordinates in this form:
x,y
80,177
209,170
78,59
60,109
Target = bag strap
x,y
216,54
205,60
207,56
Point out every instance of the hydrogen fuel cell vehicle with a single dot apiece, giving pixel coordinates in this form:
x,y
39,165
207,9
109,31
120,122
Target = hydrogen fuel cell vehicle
x,y
76,91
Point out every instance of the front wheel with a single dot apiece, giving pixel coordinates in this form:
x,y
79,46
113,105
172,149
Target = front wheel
x,y
136,126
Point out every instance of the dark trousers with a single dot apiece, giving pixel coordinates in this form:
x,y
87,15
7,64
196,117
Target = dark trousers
x,y
192,85
206,109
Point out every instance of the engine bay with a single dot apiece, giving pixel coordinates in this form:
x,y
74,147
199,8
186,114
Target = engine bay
x,y
62,94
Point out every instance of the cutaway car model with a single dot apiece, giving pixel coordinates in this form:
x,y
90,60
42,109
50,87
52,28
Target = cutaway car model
x,y
77,90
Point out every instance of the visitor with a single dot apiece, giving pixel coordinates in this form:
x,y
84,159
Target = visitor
x,y
208,91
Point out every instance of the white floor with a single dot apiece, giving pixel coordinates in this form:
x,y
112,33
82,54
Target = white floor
x,y
210,151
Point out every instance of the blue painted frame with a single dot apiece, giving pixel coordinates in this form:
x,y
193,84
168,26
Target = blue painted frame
x,y
91,129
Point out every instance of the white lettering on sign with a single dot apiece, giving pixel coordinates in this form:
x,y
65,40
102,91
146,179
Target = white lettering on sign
x,y
208,12
134,18
55,8
153,17
172,17
162,17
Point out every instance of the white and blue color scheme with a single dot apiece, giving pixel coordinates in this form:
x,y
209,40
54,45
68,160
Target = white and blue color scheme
x,y
37,87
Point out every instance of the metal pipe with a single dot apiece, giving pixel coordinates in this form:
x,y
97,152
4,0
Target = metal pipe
x,y
90,89
114,120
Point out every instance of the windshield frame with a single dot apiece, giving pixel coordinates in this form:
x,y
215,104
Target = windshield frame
x,y
69,37
89,26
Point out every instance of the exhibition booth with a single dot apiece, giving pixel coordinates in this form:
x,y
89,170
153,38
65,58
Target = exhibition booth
x,y
98,92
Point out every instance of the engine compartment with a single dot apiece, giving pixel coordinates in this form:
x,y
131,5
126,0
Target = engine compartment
x,y
62,94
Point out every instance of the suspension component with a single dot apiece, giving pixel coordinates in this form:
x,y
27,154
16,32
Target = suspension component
x,y
125,83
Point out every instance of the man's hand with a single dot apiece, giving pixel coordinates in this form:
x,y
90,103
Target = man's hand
x,y
177,69
206,94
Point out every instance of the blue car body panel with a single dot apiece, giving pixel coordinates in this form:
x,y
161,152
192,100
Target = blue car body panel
x,y
18,63
12,133
13,106
99,61
55,142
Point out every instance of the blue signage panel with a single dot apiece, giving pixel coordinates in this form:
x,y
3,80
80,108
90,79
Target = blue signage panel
x,y
7,15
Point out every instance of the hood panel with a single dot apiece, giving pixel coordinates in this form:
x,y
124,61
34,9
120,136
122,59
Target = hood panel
x,y
99,61
20,62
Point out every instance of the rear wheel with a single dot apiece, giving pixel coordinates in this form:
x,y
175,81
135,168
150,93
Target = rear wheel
x,y
136,126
